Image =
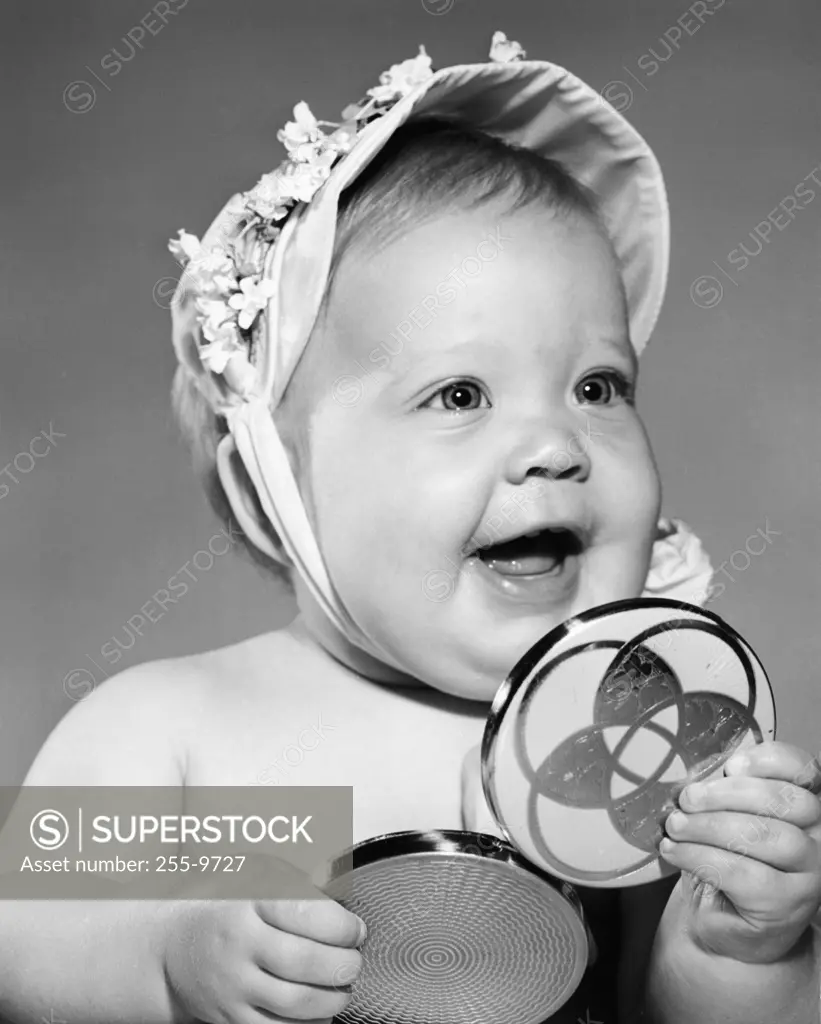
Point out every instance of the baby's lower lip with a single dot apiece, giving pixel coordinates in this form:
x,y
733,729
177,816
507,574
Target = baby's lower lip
x,y
535,588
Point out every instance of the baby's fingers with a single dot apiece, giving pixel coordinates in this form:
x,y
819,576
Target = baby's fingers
x,y
773,760
288,1001
777,843
293,958
768,797
322,920
745,882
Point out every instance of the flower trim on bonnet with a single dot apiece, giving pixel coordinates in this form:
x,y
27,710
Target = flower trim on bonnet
x,y
680,568
230,290
228,279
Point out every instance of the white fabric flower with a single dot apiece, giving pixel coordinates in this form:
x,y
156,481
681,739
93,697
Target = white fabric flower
x,y
215,356
266,198
219,327
401,79
301,181
252,297
212,318
680,568
353,110
211,272
235,206
300,136
344,137
184,248
504,50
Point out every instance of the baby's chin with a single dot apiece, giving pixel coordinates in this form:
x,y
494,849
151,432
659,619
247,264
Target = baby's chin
x,y
471,660
480,650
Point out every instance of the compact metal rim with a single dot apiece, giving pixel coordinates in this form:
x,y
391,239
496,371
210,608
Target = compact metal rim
x,y
522,670
446,841
504,867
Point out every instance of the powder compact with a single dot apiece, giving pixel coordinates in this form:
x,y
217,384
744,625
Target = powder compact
x,y
588,742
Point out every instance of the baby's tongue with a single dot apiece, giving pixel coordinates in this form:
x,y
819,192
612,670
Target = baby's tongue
x,y
524,556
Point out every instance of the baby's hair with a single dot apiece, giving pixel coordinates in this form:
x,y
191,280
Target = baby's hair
x,y
432,166
429,166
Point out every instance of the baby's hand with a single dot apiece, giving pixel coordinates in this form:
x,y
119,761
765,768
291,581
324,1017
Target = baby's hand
x,y
751,842
245,962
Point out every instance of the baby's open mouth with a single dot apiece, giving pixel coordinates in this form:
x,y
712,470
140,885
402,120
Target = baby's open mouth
x,y
541,552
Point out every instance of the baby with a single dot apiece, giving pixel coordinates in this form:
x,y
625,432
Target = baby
x,y
408,374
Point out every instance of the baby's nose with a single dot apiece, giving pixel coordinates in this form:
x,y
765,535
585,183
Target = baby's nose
x,y
555,454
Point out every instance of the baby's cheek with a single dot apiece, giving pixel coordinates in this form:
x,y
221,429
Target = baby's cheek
x,y
363,514
623,442
627,480
618,430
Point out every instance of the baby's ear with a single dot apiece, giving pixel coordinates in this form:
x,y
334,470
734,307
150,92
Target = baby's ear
x,y
242,497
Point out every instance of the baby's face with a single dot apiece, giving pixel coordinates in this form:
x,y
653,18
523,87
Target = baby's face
x,y
495,378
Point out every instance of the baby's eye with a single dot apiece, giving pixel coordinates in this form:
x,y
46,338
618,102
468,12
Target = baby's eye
x,y
602,387
460,396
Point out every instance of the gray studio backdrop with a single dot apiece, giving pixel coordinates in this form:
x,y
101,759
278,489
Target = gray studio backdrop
x,y
124,121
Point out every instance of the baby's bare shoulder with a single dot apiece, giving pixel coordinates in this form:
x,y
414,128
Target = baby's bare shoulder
x,y
257,697
137,727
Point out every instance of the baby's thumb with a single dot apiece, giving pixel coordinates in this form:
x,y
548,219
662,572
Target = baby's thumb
x,y
476,815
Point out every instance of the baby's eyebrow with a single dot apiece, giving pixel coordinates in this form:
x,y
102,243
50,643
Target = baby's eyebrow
x,y
620,345
449,347
398,368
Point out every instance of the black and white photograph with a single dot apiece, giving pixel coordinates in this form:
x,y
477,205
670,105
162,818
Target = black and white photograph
x,y
409,512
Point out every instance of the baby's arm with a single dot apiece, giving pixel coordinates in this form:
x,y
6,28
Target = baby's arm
x,y
687,983
164,962
99,960
641,907
743,948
